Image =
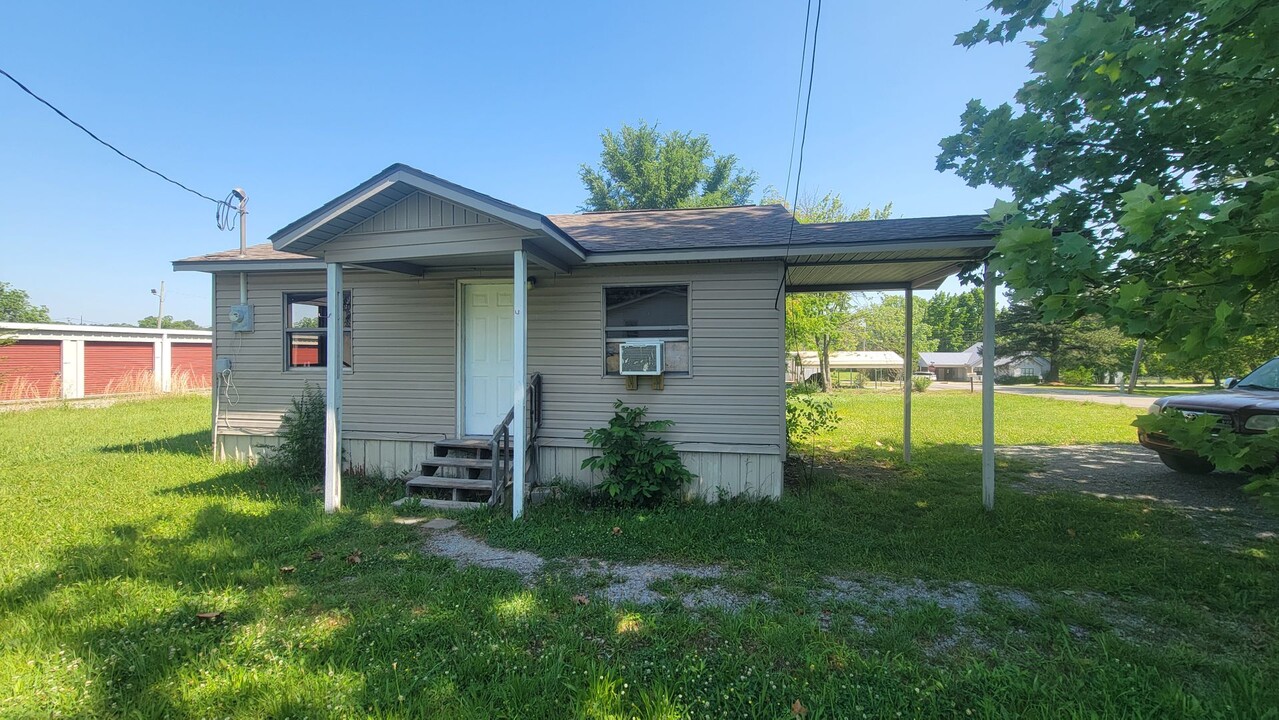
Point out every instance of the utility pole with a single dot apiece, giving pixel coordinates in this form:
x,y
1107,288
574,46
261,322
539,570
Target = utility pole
x,y
159,318
1136,366
244,211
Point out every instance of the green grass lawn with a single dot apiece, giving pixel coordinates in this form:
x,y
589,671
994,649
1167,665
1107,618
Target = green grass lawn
x,y
119,529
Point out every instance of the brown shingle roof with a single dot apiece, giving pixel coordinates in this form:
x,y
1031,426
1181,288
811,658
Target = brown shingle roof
x,y
685,229
259,252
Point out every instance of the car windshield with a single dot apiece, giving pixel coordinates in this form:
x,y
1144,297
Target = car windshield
x,y
1265,377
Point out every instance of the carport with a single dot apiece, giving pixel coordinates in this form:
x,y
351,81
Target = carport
x,y
903,255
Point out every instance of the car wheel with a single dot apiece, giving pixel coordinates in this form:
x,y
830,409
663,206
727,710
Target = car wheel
x,y
1188,465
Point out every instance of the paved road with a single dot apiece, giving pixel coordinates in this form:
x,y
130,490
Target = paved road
x,y
1222,510
1109,398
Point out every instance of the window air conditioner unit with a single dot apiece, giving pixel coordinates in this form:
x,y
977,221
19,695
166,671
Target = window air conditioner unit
x,y
640,358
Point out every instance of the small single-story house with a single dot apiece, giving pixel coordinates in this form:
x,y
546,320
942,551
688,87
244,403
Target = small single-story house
x,y
447,322
959,366
803,363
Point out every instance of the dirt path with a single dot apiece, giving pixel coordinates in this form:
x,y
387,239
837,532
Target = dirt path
x,y
1130,472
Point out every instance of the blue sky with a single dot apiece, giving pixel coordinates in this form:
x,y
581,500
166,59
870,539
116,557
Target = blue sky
x,y
298,104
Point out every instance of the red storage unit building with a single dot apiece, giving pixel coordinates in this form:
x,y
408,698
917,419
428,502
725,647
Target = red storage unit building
x,y
192,364
112,368
31,370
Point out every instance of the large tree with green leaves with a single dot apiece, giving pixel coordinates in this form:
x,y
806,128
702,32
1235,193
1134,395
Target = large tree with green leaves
x,y
1142,161
1086,343
879,323
955,319
170,324
641,167
821,321
16,306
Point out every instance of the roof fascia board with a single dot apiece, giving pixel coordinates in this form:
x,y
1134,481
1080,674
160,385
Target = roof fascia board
x,y
890,261
322,218
479,246
216,266
848,287
778,252
545,259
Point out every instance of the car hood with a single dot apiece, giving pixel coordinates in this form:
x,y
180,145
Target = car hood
x,y
1226,401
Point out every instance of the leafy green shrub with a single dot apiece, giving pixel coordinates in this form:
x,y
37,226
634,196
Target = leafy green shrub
x,y
1254,454
638,466
803,388
1077,376
921,382
1018,380
806,416
301,450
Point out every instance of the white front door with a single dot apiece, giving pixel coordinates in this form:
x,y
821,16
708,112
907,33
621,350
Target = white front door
x,y
487,355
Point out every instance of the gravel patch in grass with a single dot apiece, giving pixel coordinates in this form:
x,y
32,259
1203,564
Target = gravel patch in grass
x,y
633,582
469,552
1222,511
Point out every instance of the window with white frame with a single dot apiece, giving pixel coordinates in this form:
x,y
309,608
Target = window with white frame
x,y
1026,372
647,312
306,327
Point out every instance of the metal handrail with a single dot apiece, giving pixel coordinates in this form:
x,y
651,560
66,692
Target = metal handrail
x,y
500,440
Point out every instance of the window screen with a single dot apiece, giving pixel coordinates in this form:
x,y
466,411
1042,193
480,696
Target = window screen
x,y
306,319
647,312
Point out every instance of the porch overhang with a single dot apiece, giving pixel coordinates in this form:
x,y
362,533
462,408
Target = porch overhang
x,y
403,215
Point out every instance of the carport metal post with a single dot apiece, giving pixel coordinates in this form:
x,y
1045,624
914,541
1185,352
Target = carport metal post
x,y
907,372
333,337
988,390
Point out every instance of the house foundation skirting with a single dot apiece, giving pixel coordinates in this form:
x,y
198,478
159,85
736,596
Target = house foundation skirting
x,y
730,473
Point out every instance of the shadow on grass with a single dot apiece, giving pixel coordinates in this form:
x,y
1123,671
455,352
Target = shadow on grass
x,y
125,606
864,512
194,443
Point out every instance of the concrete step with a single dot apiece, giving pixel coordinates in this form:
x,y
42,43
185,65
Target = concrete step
x,y
439,504
434,481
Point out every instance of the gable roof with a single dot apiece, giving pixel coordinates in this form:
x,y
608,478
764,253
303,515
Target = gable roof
x,y
389,187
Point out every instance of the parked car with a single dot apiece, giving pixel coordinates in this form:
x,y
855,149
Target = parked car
x,y
1249,405
925,374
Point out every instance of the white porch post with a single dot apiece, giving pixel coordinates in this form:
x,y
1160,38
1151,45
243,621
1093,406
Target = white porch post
x,y
333,391
519,430
988,391
908,371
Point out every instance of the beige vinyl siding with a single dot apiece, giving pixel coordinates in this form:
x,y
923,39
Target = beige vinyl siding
x,y
420,211
401,393
733,395
402,382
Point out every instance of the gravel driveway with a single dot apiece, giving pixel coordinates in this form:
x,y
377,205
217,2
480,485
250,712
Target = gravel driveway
x,y
1130,472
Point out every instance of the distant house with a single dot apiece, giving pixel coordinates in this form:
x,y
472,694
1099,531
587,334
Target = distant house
x,y
803,363
959,366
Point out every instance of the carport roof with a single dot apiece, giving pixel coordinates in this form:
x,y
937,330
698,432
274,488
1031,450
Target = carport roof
x,y
890,254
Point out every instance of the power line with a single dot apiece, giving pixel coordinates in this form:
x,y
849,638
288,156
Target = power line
x,y
803,139
799,93
117,150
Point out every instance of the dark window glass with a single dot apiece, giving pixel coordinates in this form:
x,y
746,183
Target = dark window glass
x,y
306,323
647,312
